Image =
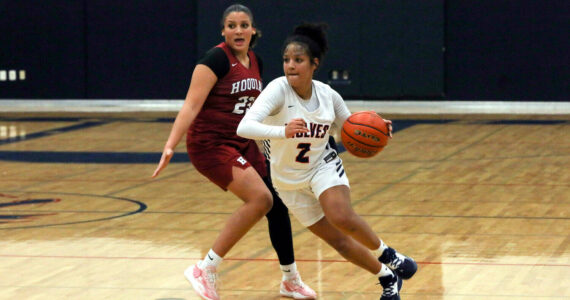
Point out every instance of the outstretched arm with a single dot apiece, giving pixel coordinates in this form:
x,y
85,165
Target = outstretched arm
x,y
203,79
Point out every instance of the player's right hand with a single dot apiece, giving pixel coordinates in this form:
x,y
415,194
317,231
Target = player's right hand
x,y
164,160
295,126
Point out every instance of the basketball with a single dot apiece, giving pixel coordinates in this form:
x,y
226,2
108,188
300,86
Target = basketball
x,y
364,134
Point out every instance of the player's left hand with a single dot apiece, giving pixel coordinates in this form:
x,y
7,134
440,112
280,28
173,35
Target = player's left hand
x,y
389,123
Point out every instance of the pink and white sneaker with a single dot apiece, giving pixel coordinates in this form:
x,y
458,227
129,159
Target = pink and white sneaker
x,y
203,281
296,289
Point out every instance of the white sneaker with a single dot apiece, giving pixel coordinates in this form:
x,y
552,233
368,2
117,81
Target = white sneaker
x,y
203,281
296,289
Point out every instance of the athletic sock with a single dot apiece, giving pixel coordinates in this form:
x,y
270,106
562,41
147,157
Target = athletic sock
x,y
378,252
384,271
211,259
289,271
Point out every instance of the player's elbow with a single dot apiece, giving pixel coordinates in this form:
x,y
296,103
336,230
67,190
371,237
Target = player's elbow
x,y
241,129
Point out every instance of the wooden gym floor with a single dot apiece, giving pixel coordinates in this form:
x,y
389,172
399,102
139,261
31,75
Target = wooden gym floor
x,y
481,203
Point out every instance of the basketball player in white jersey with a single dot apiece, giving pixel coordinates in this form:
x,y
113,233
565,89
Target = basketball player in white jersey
x,y
295,114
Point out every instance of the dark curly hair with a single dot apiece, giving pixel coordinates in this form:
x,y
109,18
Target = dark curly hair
x,y
311,37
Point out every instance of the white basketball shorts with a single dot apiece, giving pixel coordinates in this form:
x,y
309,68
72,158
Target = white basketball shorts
x,y
304,203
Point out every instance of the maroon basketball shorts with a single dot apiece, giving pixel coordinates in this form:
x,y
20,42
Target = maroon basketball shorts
x,y
216,162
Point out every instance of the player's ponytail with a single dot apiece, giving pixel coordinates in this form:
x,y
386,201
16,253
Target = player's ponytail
x,y
312,37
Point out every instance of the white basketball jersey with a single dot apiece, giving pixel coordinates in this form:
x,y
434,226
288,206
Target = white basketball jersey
x,y
295,160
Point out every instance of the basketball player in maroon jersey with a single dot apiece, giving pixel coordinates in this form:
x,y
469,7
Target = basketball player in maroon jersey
x,y
224,84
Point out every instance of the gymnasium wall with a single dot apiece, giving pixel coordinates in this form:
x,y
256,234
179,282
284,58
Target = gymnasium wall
x,y
391,49
97,49
146,49
508,49
42,49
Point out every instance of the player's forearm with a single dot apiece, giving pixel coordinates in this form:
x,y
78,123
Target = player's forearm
x,y
183,120
256,130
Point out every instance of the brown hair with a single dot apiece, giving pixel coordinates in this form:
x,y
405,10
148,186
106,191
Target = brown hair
x,y
242,8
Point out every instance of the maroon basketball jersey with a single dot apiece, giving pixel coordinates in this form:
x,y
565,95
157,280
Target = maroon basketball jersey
x,y
225,106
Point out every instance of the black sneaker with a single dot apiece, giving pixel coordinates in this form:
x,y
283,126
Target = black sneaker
x,y
392,284
402,265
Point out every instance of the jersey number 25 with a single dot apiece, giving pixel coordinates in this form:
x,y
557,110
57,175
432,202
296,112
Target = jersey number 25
x,y
243,104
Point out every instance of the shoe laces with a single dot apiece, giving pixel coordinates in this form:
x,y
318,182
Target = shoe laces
x,y
211,277
297,282
391,289
394,260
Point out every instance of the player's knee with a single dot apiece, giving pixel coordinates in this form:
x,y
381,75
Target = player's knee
x,y
267,202
264,202
278,211
343,221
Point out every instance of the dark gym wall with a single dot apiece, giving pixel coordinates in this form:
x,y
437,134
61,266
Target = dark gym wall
x,y
46,40
500,50
146,49
392,49
103,49
140,48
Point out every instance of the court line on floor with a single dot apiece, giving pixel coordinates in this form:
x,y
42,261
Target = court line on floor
x,y
153,157
141,208
383,232
51,132
267,260
148,180
256,292
363,215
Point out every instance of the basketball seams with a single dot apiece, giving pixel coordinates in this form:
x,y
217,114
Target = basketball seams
x,y
365,125
359,141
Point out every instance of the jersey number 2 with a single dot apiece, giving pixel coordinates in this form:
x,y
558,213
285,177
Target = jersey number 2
x,y
305,147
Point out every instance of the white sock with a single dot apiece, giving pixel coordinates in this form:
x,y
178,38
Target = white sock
x,y
384,271
378,252
289,271
211,259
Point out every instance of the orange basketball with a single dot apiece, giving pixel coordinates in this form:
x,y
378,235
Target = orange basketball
x,y
364,134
